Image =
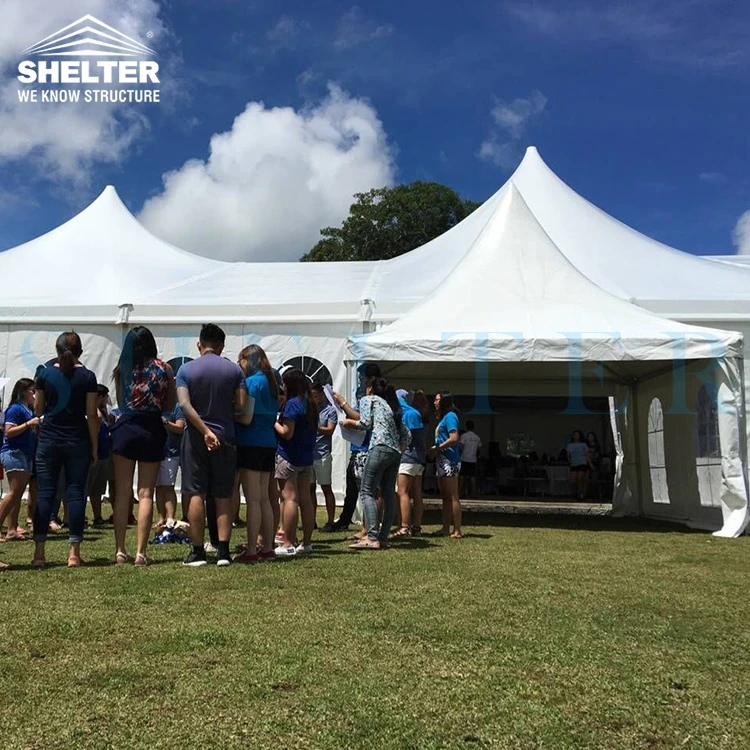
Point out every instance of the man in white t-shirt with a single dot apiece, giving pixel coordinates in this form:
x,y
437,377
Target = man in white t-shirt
x,y
469,445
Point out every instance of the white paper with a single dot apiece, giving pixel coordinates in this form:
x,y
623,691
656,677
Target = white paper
x,y
355,437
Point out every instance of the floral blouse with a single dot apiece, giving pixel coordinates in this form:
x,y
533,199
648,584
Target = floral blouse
x,y
147,391
375,414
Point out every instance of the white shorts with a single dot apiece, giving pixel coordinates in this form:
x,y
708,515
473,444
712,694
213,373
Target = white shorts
x,y
322,470
411,470
167,475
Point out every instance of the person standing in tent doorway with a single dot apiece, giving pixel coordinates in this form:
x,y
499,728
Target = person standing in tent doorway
x,y
447,463
578,460
145,390
323,464
469,445
211,391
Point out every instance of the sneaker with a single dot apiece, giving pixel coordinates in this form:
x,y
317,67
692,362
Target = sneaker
x,y
98,522
329,528
338,526
195,559
222,561
269,556
282,551
303,549
210,549
246,557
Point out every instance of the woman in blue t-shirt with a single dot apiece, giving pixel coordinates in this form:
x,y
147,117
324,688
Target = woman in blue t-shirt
x,y
17,450
68,437
296,429
447,463
256,450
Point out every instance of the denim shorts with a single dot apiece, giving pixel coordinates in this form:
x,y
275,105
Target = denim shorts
x,y
15,460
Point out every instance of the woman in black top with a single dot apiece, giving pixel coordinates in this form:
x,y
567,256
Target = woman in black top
x,y
66,402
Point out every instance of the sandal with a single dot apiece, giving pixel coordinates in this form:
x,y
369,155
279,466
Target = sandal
x,y
416,531
403,531
122,558
75,562
141,561
4,566
365,544
457,535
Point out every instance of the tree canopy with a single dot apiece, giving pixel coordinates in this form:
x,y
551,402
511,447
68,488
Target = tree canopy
x,y
387,222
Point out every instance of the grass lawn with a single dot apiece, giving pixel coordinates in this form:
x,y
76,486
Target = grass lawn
x,y
532,632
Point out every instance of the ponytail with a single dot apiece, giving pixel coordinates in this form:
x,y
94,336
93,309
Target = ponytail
x,y
68,346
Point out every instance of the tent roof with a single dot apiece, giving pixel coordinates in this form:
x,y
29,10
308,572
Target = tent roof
x,y
121,259
516,297
132,266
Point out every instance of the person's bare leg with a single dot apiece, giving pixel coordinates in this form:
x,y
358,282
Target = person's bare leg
x,y
185,503
96,506
274,493
196,513
161,506
224,518
447,509
330,499
124,470
314,498
236,498
147,473
307,509
267,527
31,502
452,489
170,502
250,487
289,511
17,481
404,499
418,509
15,510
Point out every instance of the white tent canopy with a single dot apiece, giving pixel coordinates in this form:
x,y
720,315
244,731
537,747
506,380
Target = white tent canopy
x,y
515,298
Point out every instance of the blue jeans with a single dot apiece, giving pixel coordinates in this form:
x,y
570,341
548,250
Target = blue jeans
x,y
381,472
51,459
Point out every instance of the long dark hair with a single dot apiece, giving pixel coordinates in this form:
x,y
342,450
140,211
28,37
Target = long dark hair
x,y
257,361
421,404
18,389
138,349
68,347
446,404
381,387
297,384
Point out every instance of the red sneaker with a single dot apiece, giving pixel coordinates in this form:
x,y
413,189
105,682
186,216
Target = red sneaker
x,y
245,557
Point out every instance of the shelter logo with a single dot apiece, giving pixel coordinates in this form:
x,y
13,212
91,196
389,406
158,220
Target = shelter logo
x,y
72,64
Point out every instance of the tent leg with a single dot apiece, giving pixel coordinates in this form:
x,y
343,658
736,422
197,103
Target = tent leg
x,y
638,443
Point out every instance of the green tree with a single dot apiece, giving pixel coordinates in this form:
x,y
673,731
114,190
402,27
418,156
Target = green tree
x,y
387,222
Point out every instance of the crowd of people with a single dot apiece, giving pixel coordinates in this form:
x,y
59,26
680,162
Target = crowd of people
x,y
227,427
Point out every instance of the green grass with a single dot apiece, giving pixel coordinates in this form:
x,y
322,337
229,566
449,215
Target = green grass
x,y
531,632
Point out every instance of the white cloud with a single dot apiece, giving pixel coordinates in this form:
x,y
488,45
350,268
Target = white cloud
x,y
712,177
741,235
354,28
285,33
274,180
690,33
63,141
511,120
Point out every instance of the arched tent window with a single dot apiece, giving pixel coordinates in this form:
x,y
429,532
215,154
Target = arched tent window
x,y
656,461
707,448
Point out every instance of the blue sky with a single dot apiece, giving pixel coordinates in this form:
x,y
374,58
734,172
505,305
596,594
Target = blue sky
x,y
643,111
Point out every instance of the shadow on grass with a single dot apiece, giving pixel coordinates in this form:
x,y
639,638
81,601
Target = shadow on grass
x,y
564,521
